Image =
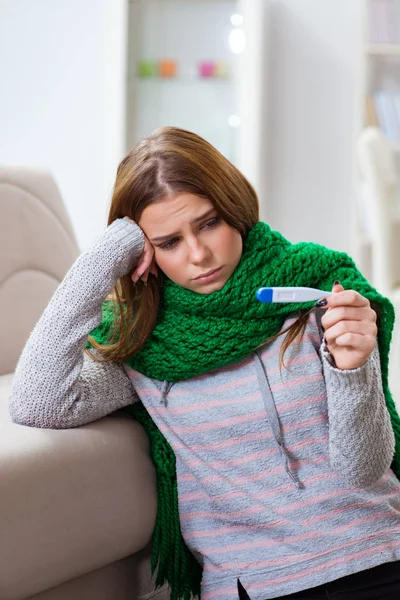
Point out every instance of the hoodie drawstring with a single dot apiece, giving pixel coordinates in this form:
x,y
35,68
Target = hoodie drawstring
x,y
273,417
167,385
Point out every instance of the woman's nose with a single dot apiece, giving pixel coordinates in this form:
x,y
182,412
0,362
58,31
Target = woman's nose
x,y
198,252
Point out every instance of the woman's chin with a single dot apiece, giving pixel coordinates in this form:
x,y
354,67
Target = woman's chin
x,y
206,289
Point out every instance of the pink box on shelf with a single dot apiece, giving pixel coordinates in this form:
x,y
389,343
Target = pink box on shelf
x,y
206,68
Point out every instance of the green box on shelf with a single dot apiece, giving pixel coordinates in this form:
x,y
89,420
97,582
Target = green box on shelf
x,y
146,68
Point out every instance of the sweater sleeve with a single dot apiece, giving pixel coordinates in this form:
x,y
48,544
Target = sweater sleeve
x,y
56,385
361,438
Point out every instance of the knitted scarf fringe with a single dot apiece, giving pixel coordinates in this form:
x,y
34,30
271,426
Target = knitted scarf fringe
x,y
171,559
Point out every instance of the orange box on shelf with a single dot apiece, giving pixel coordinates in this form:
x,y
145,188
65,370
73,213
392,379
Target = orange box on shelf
x,y
167,68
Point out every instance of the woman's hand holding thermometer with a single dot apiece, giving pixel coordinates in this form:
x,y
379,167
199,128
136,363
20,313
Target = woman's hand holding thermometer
x,y
349,321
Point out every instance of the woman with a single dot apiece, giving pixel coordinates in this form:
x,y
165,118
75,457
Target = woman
x,y
274,423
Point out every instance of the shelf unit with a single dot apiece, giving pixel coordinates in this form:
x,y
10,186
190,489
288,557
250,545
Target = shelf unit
x,y
377,60
158,31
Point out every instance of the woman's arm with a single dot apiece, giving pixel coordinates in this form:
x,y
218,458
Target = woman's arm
x,y
55,384
361,439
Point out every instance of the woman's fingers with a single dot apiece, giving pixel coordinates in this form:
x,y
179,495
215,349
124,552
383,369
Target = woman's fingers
x,y
361,343
141,271
153,268
350,328
346,298
347,329
145,263
347,313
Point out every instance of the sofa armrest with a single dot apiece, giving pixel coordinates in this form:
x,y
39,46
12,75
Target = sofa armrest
x,y
71,500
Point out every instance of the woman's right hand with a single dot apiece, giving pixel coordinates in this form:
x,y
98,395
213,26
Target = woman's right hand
x,y
146,263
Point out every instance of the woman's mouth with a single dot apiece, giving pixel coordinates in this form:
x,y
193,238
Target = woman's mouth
x,y
209,276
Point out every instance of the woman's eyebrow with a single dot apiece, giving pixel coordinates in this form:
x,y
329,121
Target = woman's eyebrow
x,y
163,238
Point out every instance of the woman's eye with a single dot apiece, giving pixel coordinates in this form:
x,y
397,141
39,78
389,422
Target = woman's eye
x,y
170,244
212,222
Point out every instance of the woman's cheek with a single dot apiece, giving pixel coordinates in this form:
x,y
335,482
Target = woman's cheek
x,y
166,261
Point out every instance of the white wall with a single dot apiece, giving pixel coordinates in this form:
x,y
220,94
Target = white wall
x,y
62,66
311,104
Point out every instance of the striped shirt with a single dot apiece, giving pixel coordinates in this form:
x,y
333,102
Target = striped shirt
x,y
269,488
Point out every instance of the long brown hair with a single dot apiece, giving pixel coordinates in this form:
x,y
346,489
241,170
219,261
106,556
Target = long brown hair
x,y
171,161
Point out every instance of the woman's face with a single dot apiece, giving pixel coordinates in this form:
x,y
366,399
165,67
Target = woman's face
x,y
193,246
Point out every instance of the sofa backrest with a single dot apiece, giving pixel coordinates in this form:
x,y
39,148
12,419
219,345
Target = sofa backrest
x,y
37,247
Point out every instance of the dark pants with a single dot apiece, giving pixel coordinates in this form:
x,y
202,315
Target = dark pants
x,y
379,583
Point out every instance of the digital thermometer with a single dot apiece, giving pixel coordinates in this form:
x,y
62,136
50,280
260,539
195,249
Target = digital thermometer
x,y
290,294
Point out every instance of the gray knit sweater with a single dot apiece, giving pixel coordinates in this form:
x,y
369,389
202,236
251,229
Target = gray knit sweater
x,y
284,480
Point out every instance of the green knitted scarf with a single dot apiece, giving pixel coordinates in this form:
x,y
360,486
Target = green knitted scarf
x,y
196,333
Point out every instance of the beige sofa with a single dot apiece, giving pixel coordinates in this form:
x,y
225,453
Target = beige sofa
x,y
78,506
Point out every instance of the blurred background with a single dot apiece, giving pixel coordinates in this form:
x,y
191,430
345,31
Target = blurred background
x,y
302,95
274,84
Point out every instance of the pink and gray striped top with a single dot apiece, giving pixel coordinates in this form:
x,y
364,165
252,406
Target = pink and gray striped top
x,y
282,480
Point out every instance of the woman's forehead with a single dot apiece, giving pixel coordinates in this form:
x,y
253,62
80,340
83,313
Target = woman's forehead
x,y
175,211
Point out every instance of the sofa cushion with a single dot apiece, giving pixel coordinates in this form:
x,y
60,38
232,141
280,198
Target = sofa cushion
x,y
127,579
71,501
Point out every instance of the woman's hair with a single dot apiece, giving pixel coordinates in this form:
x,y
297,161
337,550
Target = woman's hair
x,y
168,162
